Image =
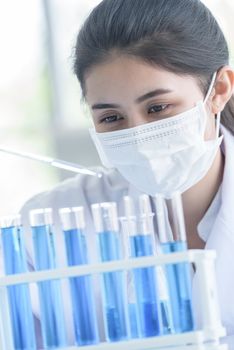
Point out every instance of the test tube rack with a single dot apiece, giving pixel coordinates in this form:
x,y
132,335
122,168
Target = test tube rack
x,y
206,338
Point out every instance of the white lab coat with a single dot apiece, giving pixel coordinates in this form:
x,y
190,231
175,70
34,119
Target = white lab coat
x,y
84,190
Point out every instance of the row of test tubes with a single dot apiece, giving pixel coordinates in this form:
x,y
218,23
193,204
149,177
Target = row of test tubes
x,y
143,302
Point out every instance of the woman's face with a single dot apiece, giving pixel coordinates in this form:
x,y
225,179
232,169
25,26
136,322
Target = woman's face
x,y
127,92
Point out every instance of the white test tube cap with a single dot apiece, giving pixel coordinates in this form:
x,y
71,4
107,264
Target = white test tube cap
x,y
129,220
144,204
72,218
173,208
10,221
105,216
161,221
178,216
146,215
41,217
128,206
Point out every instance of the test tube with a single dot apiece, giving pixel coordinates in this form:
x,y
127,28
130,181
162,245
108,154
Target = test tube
x,y
113,283
84,311
132,306
52,313
140,232
19,296
128,225
172,236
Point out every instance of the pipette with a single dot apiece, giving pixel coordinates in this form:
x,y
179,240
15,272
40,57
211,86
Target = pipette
x,y
61,164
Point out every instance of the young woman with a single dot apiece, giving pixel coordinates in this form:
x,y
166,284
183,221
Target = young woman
x,y
157,79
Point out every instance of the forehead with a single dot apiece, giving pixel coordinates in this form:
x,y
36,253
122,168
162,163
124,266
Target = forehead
x,y
136,77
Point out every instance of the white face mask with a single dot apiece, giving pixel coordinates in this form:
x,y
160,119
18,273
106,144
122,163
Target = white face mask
x,y
163,156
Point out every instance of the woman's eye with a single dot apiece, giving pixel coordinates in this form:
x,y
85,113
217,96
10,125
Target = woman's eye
x,y
111,119
157,108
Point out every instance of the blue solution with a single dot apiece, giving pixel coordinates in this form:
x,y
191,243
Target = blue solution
x,y
115,302
167,321
132,307
19,296
52,315
84,314
150,322
179,281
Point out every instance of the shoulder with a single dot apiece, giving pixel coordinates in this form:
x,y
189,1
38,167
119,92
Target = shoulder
x,y
80,190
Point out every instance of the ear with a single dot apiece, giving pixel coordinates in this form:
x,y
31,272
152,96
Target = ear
x,y
223,89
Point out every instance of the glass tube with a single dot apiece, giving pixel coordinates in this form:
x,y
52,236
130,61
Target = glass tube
x,y
19,295
172,235
140,234
52,313
128,225
84,311
113,283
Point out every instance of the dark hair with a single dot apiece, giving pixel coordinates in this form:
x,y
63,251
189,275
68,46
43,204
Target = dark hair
x,y
181,36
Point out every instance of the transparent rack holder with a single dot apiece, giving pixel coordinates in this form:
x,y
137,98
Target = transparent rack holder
x,y
207,337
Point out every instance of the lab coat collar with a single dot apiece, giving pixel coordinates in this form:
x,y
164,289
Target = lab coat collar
x,y
228,179
221,237
225,213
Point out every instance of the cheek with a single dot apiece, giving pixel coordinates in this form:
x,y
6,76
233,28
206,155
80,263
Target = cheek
x,y
99,127
95,123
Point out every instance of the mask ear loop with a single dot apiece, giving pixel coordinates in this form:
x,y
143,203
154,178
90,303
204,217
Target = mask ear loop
x,y
218,116
210,87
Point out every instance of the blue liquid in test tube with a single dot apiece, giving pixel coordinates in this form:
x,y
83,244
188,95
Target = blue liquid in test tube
x,y
132,307
84,311
52,313
140,231
172,236
145,282
114,291
165,303
19,295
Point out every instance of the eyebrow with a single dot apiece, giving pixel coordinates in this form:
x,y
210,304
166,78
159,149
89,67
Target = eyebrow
x,y
140,99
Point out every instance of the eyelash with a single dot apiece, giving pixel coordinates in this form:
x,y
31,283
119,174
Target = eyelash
x,y
104,120
118,117
163,107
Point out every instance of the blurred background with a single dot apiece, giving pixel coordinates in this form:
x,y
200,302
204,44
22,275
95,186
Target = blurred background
x,y
40,100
